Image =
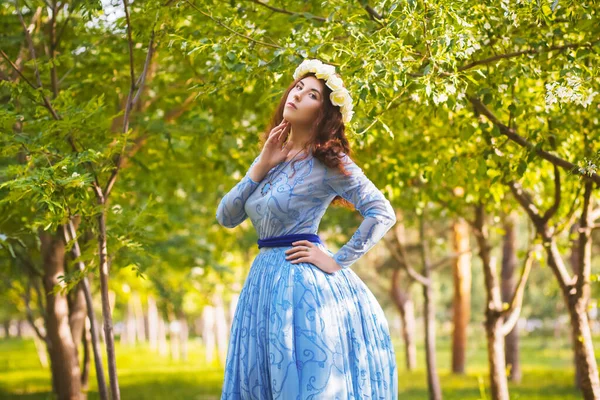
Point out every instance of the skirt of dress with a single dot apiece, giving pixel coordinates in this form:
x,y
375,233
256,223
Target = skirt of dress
x,y
301,333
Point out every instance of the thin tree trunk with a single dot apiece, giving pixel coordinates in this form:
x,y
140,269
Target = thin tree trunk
x,y
70,234
406,308
220,328
152,323
576,297
433,380
162,337
509,284
140,327
232,306
85,373
574,260
183,335
6,326
66,374
208,335
106,310
462,296
493,312
496,357
174,337
128,336
575,290
77,315
42,350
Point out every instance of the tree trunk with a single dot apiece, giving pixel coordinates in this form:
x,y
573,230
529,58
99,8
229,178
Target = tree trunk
x,y
84,285
509,283
433,380
406,308
232,306
162,337
493,311
138,311
576,295
85,373
77,315
208,334
152,323
6,326
106,310
462,296
496,357
183,335
174,337
42,350
66,374
575,290
584,350
221,328
128,335
574,260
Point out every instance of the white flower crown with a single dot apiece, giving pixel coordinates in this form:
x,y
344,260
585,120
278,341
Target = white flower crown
x,y
339,95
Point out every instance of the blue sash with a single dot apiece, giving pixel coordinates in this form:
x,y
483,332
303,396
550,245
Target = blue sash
x,y
286,240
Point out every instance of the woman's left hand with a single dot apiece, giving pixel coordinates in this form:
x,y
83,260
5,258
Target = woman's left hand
x,y
307,251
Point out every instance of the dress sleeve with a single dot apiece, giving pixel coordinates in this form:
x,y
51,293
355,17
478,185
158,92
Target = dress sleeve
x,y
230,212
378,213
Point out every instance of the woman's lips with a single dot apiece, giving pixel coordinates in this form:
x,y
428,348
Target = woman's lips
x,y
292,105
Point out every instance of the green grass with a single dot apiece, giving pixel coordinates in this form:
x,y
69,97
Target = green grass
x,y
143,374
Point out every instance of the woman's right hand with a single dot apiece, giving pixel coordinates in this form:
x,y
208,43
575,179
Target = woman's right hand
x,y
273,151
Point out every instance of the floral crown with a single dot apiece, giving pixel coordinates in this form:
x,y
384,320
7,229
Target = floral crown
x,y
339,95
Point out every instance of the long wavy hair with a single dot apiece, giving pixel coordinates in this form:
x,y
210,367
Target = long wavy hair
x,y
327,133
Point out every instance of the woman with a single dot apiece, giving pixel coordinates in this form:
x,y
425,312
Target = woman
x,y
306,326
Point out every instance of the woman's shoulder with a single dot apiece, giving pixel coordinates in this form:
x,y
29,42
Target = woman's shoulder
x,y
349,166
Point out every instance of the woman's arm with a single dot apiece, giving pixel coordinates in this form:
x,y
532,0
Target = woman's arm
x,y
230,212
378,213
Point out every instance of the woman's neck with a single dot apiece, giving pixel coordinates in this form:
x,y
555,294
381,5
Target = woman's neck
x,y
299,137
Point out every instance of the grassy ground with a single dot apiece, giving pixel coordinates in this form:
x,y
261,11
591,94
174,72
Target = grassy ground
x,y
143,374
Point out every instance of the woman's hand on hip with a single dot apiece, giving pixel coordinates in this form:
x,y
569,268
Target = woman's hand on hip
x,y
308,252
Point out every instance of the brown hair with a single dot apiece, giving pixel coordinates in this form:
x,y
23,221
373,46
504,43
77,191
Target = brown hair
x,y
328,134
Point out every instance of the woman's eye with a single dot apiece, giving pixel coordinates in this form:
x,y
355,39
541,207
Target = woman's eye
x,y
313,96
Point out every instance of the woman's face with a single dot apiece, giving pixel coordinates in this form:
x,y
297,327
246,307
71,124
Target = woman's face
x,y
307,96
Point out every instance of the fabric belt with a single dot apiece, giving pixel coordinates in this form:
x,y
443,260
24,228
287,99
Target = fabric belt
x,y
287,240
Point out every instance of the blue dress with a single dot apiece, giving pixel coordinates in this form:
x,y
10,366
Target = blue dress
x,y
299,332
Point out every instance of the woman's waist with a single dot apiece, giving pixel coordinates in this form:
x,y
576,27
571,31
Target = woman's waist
x,y
287,240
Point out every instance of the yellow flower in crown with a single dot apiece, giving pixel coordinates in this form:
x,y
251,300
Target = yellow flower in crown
x,y
339,94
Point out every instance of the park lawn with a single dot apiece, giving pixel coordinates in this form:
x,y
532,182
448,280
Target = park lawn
x,y
143,374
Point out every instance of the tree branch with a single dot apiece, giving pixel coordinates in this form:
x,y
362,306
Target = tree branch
x,y
512,313
26,298
525,200
440,263
233,31
585,238
512,134
284,11
552,210
402,259
525,52
129,105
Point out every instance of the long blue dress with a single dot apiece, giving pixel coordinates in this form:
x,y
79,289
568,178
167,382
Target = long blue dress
x,y
299,332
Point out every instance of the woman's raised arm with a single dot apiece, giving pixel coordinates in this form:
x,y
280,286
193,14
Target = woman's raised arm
x,y
378,213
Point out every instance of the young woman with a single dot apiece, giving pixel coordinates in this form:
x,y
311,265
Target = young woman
x,y
306,326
